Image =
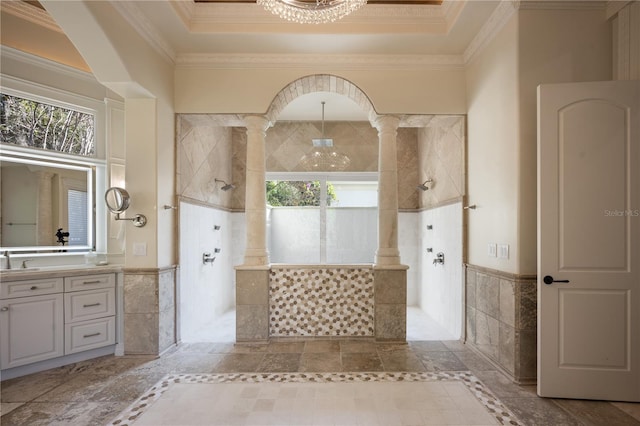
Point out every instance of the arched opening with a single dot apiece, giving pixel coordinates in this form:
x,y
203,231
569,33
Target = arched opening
x,y
295,114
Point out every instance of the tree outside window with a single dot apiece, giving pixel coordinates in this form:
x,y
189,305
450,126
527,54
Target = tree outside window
x,y
32,124
297,193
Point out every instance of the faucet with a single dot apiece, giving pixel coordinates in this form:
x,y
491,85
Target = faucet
x,y
439,260
6,254
208,258
24,263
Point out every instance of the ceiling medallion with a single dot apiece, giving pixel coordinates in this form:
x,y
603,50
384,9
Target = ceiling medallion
x,y
312,11
323,157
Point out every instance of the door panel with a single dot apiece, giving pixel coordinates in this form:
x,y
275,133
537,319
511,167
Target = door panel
x,y
589,240
604,317
592,148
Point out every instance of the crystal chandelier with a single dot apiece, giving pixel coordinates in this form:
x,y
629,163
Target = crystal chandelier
x,y
323,157
312,11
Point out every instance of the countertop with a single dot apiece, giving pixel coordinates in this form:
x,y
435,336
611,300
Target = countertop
x,y
56,271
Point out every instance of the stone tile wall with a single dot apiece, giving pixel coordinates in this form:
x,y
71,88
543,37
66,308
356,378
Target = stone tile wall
x,y
289,301
390,301
441,149
252,304
206,151
501,316
287,142
321,302
149,310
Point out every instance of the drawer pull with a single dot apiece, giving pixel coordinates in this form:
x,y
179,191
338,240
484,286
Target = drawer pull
x,y
4,309
91,282
86,336
34,287
90,305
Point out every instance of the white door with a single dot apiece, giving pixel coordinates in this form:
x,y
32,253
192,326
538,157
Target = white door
x,y
589,240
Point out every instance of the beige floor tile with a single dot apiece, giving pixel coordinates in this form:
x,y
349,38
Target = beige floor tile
x,y
7,407
96,391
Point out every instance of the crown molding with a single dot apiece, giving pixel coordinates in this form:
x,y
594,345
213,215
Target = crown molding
x,y
451,10
507,8
46,64
134,16
615,6
30,13
352,62
562,5
377,18
185,9
494,24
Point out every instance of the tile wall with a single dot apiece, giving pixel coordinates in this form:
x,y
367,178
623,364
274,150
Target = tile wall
x,y
287,142
206,290
321,302
203,154
149,310
501,320
440,288
441,147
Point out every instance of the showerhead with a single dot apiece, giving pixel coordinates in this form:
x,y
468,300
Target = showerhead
x,y
423,186
226,186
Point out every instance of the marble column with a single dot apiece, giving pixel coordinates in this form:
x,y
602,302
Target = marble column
x,y
255,195
44,231
252,278
387,253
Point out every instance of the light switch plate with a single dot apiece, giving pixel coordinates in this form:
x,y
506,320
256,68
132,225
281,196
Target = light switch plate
x,y
492,250
503,251
139,249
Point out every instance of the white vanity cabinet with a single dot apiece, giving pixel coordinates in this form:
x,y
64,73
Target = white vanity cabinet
x,y
89,312
60,319
31,321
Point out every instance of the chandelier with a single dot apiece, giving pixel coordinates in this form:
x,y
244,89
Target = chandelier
x,y
312,11
323,157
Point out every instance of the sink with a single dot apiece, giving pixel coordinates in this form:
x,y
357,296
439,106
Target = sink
x,y
29,269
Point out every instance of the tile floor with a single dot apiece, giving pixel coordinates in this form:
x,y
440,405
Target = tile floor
x,y
306,399
95,392
420,326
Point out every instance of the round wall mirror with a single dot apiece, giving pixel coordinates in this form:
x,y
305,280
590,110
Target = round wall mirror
x,y
117,199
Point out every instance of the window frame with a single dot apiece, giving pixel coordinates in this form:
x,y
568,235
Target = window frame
x,y
323,177
94,165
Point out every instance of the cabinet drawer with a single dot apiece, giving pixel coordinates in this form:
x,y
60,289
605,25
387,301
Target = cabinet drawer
x,y
89,282
91,334
92,304
11,289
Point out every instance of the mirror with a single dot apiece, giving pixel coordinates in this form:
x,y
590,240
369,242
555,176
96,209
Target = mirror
x,y
45,205
117,199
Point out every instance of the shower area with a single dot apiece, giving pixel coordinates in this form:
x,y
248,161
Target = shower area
x,y
212,223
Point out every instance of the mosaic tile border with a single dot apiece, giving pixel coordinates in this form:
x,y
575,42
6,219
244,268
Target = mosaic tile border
x,y
493,405
321,302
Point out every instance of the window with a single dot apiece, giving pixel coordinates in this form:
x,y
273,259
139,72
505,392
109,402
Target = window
x,y
32,124
50,147
320,219
77,207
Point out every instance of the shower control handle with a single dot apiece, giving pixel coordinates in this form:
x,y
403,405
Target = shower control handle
x,y
208,258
